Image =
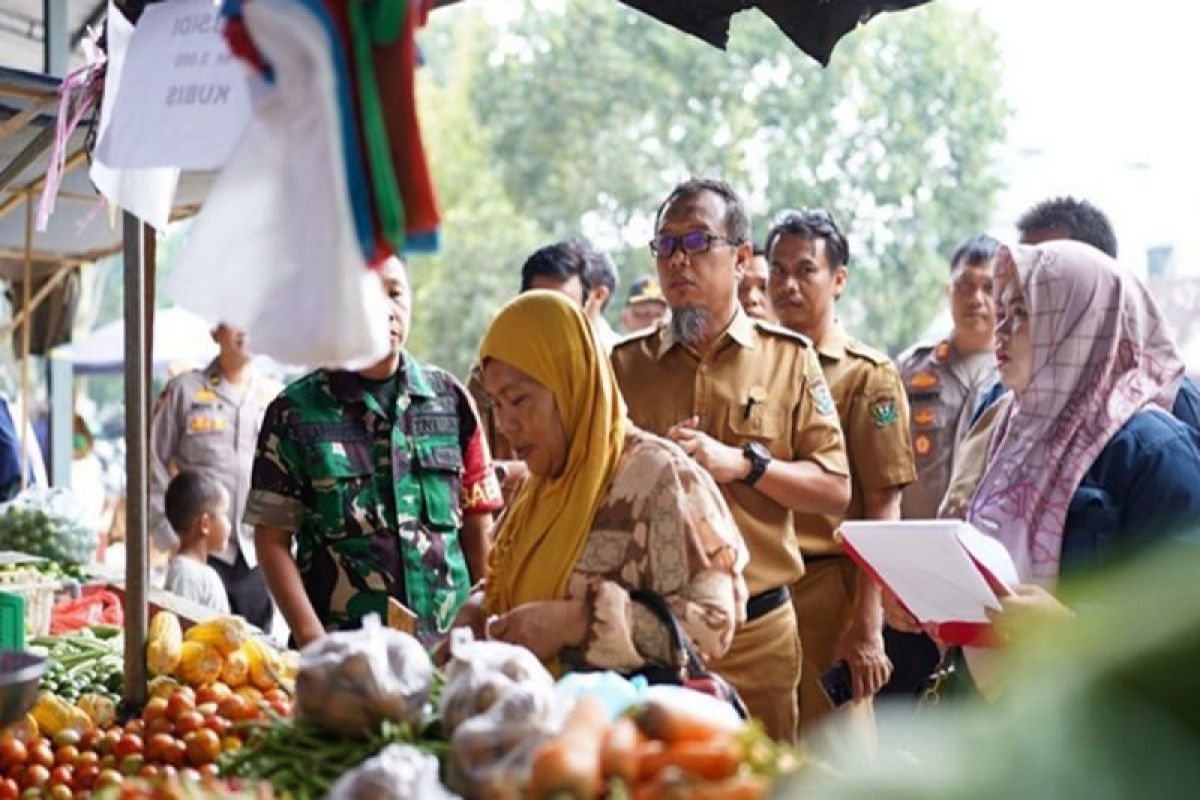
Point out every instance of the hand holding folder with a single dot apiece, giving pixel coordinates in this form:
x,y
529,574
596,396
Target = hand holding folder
x,y
945,572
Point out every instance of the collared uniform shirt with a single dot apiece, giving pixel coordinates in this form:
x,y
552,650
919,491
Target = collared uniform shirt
x,y
203,423
375,499
873,410
944,388
759,382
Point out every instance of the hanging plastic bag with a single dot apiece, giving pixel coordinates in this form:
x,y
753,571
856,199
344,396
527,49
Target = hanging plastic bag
x,y
276,241
51,523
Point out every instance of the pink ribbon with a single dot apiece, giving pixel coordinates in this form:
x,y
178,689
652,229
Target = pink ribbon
x,y
87,82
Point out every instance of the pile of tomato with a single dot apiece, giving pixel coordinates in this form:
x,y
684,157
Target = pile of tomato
x,y
182,734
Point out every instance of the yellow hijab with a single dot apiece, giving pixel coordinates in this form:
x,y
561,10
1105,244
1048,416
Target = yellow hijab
x,y
543,532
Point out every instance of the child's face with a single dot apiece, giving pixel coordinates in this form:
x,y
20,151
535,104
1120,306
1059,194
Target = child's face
x,y
218,524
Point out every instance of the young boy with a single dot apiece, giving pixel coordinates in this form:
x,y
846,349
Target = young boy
x,y
197,507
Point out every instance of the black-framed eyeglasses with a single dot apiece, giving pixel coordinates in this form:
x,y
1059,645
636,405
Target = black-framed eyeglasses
x,y
692,244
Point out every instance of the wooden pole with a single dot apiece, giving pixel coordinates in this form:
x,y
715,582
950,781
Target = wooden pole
x,y
137,573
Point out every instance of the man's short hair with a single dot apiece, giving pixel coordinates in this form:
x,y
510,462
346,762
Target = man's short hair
x,y
737,221
600,271
1082,221
760,251
811,224
560,261
978,249
189,494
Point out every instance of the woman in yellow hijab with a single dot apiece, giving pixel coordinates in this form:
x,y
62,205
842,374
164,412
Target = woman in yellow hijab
x,y
607,508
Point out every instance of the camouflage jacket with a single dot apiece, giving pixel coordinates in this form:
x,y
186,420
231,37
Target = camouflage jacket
x,y
375,501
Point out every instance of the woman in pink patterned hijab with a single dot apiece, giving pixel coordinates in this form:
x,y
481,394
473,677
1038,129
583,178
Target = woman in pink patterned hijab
x,y
1087,353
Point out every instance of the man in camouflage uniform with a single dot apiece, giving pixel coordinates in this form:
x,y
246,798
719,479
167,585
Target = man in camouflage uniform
x,y
838,608
384,481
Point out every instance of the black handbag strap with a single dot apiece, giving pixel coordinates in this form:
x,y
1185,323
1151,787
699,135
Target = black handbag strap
x,y
680,643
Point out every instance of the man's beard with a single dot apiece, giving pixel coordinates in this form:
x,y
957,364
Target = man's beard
x,y
688,323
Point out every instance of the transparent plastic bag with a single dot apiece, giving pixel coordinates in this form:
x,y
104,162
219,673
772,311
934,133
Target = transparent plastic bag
x,y
398,772
350,681
51,523
499,704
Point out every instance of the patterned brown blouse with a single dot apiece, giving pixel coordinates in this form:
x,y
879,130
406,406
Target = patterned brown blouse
x,y
663,526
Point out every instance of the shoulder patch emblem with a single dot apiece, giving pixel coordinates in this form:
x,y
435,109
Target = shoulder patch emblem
x,y
922,445
942,353
204,396
924,418
884,412
925,379
823,398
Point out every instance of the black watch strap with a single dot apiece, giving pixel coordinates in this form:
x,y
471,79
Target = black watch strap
x,y
759,459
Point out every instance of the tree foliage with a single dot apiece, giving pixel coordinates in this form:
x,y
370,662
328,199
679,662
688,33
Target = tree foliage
x,y
579,117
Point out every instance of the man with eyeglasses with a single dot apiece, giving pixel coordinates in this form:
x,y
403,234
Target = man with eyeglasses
x,y
945,381
839,609
748,402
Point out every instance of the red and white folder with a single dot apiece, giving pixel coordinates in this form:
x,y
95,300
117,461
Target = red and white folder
x,y
945,572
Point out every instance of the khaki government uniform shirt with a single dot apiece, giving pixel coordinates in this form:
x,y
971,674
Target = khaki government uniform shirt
x,y
944,387
759,382
873,410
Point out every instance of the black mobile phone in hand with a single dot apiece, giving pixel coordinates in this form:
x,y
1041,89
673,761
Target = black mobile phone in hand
x,y
836,684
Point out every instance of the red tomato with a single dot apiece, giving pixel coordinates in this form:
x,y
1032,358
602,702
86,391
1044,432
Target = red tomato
x,y
203,747
135,726
148,771
59,791
159,725
35,775
62,774
108,777
129,745
281,707
85,775
234,708
9,790
41,754
131,763
177,754
184,699
157,747
108,743
155,707
217,724
210,771
67,754
13,752
276,694
188,721
89,739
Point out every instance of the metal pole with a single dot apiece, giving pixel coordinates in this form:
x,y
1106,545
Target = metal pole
x,y
137,574
27,280
56,47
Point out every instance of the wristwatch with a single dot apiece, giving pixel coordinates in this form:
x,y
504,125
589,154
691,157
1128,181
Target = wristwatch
x,y
759,457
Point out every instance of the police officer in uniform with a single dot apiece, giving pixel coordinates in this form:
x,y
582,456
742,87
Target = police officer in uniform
x,y
945,381
645,306
383,480
840,611
748,402
208,421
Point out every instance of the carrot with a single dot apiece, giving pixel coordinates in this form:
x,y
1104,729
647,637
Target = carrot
x,y
743,787
711,760
619,753
676,722
568,766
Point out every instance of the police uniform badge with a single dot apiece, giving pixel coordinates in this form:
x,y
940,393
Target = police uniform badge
x,y
883,411
823,398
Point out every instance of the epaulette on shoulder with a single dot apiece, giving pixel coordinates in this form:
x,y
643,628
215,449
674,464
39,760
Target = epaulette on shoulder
x,y
918,349
636,336
876,357
778,330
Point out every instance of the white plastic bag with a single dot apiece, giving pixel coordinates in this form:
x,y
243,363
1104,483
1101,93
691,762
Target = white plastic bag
x,y
499,704
398,772
274,250
351,681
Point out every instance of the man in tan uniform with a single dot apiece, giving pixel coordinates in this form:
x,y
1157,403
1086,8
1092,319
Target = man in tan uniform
x,y
839,610
208,421
945,381
748,402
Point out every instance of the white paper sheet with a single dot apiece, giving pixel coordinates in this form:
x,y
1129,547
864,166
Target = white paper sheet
x,y
929,566
145,193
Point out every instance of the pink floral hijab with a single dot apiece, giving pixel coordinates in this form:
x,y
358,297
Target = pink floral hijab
x,y
1101,353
